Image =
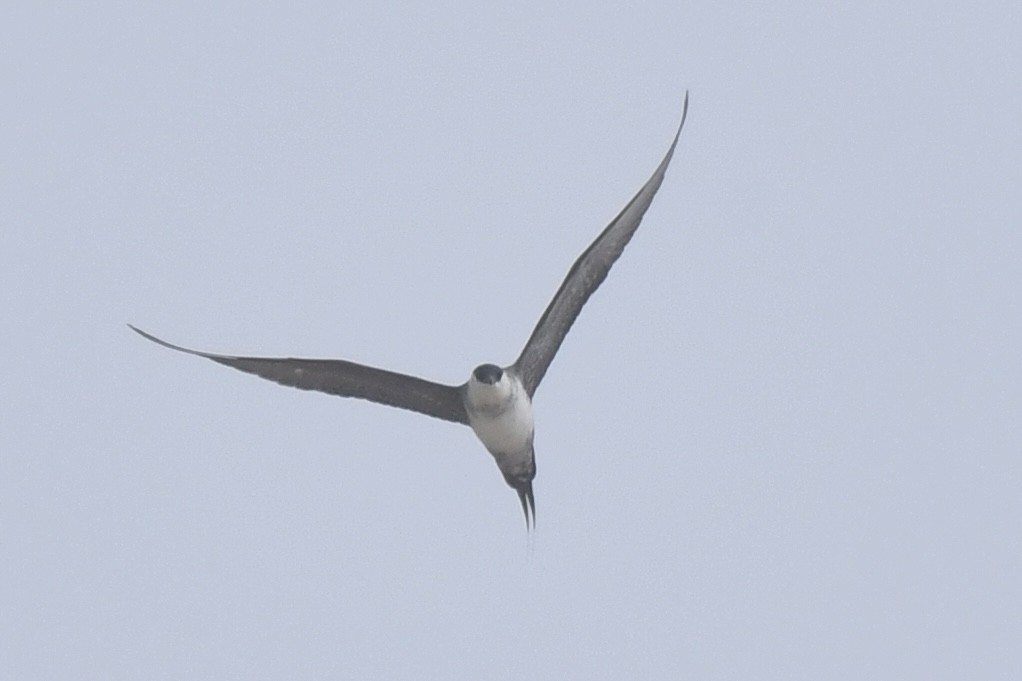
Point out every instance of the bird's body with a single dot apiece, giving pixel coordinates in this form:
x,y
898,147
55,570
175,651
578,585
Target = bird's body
x,y
496,402
500,413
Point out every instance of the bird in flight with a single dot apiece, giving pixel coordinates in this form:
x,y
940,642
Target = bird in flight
x,y
496,402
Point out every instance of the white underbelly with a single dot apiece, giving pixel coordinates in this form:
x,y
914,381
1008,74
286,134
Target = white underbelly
x,y
508,432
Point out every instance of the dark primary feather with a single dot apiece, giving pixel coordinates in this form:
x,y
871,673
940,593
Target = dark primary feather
x,y
585,277
346,379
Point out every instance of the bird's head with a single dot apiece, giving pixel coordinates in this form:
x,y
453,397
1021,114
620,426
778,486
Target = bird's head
x,y
488,374
489,387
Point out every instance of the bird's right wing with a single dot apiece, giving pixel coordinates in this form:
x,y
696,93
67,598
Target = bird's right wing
x,y
347,379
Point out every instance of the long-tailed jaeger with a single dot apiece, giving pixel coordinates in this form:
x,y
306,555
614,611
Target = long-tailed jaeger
x,y
496,402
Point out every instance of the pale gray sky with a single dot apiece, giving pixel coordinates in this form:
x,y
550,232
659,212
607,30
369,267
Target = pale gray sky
x,y
781,442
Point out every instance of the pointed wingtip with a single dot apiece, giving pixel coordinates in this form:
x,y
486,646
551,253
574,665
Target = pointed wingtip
x,y
662,168
160,341
145,335
684,115
149,336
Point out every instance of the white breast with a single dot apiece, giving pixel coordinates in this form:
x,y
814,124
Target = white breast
x,y
501,415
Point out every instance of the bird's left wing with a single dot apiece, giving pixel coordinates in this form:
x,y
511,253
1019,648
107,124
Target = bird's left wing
x,y
585,277
347,379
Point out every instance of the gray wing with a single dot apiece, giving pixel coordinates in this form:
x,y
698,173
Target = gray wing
x,y
585,277
346,379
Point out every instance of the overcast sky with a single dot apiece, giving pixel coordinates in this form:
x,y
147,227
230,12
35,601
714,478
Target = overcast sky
x,y
781,442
